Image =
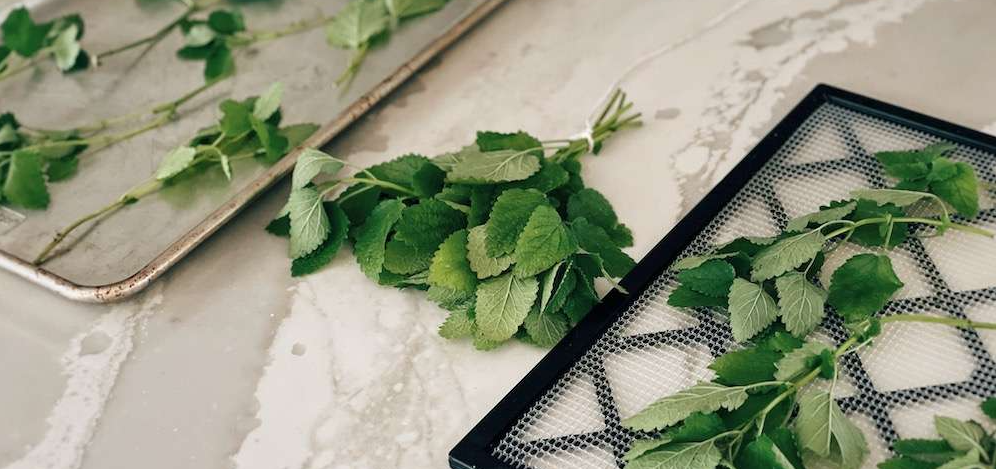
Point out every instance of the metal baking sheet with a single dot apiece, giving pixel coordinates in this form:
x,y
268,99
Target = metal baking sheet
x,y
124,253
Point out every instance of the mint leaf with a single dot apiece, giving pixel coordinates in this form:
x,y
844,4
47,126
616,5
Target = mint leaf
x,y
508,218
594,239
544,242
692,262
748,366
593,206
235,118
21,34
920,450
641,447
800,303
989,407
910,165
198,35
226,22
684,297
503,304
960,190
323,255
713,278
702,455
897,197
355,24
563,286
311,163
751,309
66,49
874,235
371,237
63,168
519,141
175,162
800,361
550,177
275,144
494,166
703,397
219,64
904,462
546,329
787,254
450,267
824,215
405,259
425,225
428,180
482,199
25,183
309,224
457,325
762,454
824,429
402,9
962,436
269,102
400,171
862,286
480,262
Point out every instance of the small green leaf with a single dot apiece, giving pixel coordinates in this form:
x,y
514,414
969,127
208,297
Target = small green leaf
x,y
311,163
234,121
269,102
911,164
63,168
25,183
546,329
494,166
703,397
824,429
684,297
862,286
593,206
713,278
402,9
931,451
762,454
899,198
544,242
703,455
275,144
309,224
520,141
21,34
800,303
220,63
503,304
873,235
641,447
962,436
457,325
508,218
480,262
371,237
825,215
787,254
751,309
450,267
746,366
594,239
355,24
66,49
800,361
989,407
692,262
226,22
175,162
323,255
960,190
403,258
199,35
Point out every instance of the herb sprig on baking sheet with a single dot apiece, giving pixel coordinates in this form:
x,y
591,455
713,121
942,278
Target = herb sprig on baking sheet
x,y
247,130
502,233
760,411
27,43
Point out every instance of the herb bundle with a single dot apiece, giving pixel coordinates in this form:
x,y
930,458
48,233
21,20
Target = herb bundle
x,y
759,410
502,233
247,130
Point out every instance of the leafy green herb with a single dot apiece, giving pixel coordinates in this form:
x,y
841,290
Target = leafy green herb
x,y
27,43
504,257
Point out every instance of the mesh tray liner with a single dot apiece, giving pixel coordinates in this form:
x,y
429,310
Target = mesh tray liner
x,y
890,390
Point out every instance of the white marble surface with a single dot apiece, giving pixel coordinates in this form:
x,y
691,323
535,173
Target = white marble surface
x,y
227,362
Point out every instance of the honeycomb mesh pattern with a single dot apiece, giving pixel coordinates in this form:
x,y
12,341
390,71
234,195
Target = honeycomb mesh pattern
x,y
890,390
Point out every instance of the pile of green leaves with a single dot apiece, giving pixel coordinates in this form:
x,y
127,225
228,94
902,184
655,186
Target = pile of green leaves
x,y
364,23
26,42
501,234
212,40
29,160
247,130
963,444
758,412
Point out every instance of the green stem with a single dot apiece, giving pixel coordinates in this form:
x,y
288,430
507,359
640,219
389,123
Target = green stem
x,y
298,27
954,322
152,39
354,66
171,107
25,64
377,182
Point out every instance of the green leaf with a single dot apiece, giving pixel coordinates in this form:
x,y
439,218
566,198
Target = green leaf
x,y
509,217
296,134
550,177
989,407
703,397
311,163
713,278
592,238
784,439
269,102
63,168
641,447
25,183
800,303
405,259
970,460
400,171
544,242
503,304
309,224
692,262
684,297
546,329
226,22
273,142
593,206
825,215
762,454
748,366
751,309
358,201
800,361
199,35
425,225
220,64
450,267
235,118
457,325
862,286
702,455
913,164
402,9
962,436
520,141
323,255
428,180
482,200
874,235
960,190
904,462
494,166
175,162
480,262
931,451
564,286
21,34
371,237
787,254
66,49
899,198
824,429
355,24
280,226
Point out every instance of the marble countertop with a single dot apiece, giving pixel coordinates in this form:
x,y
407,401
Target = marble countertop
x,y
228,362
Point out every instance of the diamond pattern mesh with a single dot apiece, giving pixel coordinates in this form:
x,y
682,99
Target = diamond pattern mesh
x,y
891,390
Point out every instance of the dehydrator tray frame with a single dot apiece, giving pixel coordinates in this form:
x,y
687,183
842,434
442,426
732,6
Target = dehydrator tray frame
x,y
477,450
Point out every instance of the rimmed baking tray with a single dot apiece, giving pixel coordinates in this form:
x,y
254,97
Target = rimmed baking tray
x,y
123,254
634,349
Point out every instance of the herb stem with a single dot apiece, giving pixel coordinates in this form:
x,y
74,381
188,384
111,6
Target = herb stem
x,y
354,66
297,27
152,39
25,64
378,182
954,322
